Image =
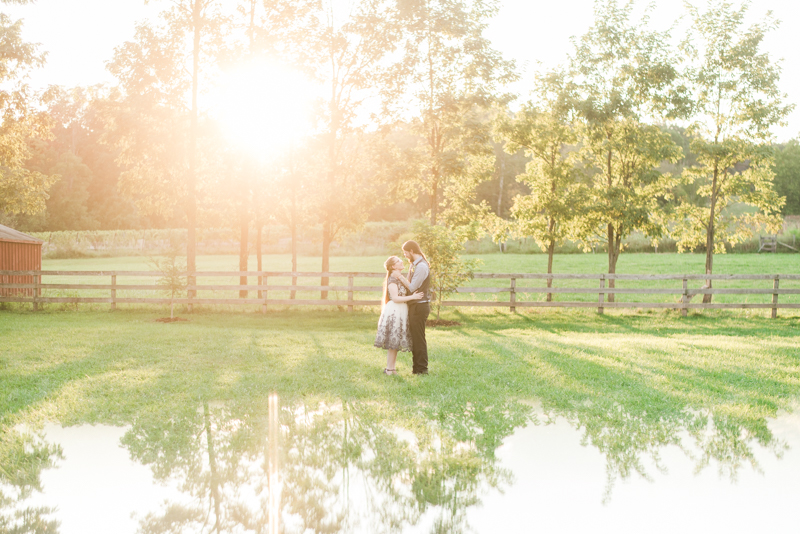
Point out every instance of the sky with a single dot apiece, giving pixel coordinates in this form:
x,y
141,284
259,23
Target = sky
x,y
80,36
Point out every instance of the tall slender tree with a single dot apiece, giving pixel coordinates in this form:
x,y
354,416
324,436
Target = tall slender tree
x,y
350,50
737,101
626,74
156,129
545,130
450,74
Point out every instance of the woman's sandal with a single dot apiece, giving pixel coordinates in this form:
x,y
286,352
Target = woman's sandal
x,y
388,371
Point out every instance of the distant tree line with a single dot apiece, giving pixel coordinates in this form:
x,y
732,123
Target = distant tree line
x,y
631,134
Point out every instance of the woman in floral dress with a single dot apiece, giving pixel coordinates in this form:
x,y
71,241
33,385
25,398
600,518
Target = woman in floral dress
x,y
393,325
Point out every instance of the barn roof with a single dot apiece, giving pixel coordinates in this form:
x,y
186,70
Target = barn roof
x,y
9,234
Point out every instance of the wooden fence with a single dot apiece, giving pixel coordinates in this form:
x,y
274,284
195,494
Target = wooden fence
x,y
269,283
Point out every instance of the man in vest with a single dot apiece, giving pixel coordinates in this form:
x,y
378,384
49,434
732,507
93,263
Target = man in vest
x,y
418,310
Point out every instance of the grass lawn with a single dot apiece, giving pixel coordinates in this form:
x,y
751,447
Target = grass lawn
x,y
633,382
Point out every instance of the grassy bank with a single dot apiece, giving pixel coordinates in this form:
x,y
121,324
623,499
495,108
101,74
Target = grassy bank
x,y
94,365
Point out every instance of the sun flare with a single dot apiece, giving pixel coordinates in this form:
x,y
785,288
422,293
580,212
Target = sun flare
x,y
262,107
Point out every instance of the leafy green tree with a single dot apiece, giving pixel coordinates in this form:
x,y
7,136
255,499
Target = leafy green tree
x,y
443,247
451,73
21,190
787,176
737,101
545,131
625,74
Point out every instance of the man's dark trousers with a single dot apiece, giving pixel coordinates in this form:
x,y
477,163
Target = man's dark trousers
x,y
417,315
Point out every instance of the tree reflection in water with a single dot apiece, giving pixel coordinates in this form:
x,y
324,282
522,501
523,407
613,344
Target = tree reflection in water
x,y
23,457
343,468
355,467
628,437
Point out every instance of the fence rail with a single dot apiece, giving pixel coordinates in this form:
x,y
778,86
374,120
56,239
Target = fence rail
x,y
29,287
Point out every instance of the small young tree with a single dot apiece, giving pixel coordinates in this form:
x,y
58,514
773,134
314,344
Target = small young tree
x,y
443,247
173,276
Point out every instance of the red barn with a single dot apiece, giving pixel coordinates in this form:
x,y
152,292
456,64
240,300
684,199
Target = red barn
x,y
18,252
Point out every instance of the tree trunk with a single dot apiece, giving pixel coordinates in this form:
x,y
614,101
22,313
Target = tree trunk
x,y
244,225
551,247
614,243
191,185
259,264
293,229
501,171
326,254
710,235
434,197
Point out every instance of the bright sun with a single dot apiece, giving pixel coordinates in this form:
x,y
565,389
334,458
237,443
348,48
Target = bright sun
x,y
262,107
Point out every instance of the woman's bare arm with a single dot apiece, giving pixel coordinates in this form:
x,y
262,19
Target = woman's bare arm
x,y
396,298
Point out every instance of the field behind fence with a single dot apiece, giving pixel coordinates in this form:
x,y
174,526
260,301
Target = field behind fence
x,y
357,289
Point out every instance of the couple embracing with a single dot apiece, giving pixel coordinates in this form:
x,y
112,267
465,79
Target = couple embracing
x,y
405,308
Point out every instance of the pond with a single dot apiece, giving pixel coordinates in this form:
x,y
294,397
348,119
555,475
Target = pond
x,y
355,468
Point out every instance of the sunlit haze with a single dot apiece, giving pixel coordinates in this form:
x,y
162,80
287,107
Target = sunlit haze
x,y
244,102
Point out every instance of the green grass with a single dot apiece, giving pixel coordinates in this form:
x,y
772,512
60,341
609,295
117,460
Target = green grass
x,y
95,366
631,384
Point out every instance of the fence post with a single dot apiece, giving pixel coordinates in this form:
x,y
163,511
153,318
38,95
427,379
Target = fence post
x,y
513,294
602,294
775,298
266,292
113,291
350,293
36,290
685,298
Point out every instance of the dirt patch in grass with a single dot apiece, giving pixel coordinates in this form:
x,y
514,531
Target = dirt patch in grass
x,y
441,322
170,319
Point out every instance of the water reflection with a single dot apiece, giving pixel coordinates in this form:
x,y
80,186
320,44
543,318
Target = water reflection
x,y
343,468
355,467
23,457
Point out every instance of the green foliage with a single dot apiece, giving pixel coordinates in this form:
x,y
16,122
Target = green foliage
x,y
545,131
787,176
21,189
736,102
625,73
452,74
443,247
173,279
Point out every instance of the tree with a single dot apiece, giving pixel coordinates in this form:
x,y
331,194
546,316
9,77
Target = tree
x,y
451,74
787,176
443,248
545,131
21,190
349,53
156,130
173,279
736,102
625,74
